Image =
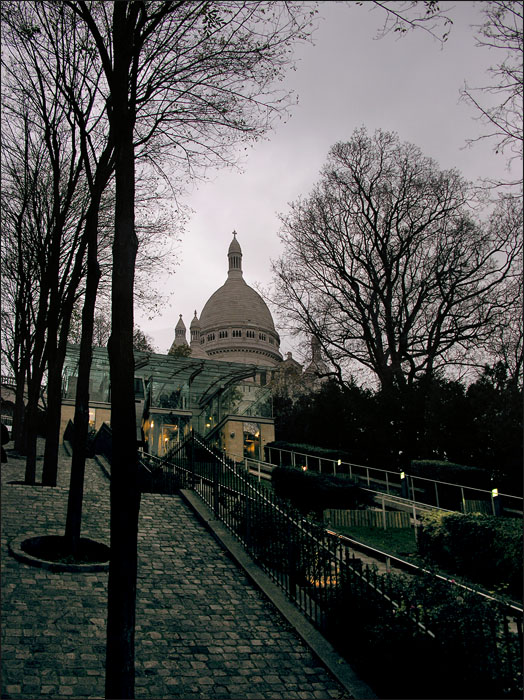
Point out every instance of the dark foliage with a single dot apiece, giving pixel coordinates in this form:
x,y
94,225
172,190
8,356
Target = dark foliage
x,y
462,660
445,422
310,492
484,548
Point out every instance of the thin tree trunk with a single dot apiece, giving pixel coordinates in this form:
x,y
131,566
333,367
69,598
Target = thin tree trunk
x,y
81,420
34,385
30,427
54,406
18,416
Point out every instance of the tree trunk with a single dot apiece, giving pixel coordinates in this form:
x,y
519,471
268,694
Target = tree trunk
x,y
125,495
81,420
19,410
30,427
54,406
34,383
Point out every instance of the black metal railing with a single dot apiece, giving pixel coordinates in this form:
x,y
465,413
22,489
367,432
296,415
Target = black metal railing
x,y
325,579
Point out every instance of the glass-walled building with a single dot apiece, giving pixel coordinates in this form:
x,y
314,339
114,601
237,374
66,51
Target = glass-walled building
x,y
226,402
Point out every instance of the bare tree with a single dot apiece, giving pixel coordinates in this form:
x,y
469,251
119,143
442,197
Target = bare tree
x,y
187,81
506,342
386,267
22,168
499,102
51,214
408,15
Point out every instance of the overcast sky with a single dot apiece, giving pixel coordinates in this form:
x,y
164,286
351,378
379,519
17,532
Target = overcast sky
x,y
345,80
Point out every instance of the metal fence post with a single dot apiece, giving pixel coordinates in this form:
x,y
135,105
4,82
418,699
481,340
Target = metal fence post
x,y
403,485
248,523
384,512
495,501
216,503
192,459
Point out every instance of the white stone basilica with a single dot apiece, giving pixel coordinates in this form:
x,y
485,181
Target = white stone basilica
x,y
235,324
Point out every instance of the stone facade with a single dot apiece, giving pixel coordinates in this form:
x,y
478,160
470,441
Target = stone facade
x,y
235,324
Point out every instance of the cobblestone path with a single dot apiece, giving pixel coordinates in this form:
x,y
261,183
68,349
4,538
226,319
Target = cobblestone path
x,y
203,630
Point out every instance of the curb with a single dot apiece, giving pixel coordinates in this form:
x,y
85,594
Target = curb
x,y
15,549
337,666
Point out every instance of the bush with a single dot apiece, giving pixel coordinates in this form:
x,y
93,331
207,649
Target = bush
x,y
450,472
463,660
310,492
320,452
484,548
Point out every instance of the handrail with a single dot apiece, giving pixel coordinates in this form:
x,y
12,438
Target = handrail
x,y
388,471
409,566
359,546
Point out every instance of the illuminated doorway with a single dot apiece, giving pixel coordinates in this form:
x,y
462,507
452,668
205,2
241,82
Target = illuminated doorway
x,y
252,440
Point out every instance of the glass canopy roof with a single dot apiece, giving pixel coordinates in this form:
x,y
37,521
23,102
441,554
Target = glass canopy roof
x,y
173,382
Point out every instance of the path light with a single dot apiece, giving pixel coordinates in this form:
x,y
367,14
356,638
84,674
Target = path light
x,y
495,502
304,468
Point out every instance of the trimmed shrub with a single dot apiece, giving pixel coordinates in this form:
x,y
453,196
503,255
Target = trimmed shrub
x,y
320,452
450,472
484,548
438,470
310,492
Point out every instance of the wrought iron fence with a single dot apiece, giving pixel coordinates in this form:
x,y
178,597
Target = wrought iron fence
x,y
327,581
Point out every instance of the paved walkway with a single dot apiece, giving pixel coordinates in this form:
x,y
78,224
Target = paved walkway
x,y
203,630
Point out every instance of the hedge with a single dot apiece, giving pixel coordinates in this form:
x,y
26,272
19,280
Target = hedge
x,y
313,492
430,469
483,548
450,472
312,450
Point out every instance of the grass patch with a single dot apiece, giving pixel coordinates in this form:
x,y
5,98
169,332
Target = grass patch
x,y
397,541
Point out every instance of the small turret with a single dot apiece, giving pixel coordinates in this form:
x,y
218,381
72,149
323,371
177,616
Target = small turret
x,y
317,369
234,255
195,331
180,337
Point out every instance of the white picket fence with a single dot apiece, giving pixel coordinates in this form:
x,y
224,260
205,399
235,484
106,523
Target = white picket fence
x,y
366,518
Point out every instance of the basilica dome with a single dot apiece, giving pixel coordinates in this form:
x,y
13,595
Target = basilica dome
x,y
235,323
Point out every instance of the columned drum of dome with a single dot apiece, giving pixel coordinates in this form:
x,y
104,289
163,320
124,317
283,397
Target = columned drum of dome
x,y
236,324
